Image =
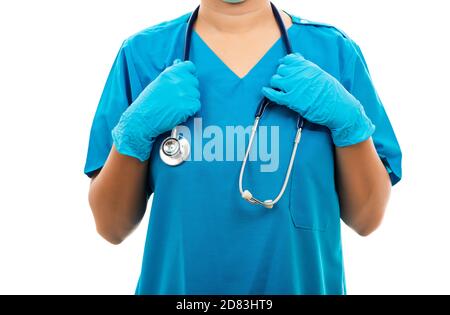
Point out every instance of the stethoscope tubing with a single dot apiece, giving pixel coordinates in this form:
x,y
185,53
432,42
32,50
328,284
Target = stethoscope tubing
x,y
265,102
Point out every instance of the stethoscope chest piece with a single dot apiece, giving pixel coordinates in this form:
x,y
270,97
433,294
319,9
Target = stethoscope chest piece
x,y
175,149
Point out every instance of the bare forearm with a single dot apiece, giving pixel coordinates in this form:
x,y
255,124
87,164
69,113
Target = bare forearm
x,y
117,196
364,186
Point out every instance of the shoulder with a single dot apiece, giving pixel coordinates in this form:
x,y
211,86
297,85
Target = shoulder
x,y
325,32
327,35
319,27
157,35
150,50
328,46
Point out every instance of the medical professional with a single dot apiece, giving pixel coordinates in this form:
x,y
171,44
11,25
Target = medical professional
x,y
204,236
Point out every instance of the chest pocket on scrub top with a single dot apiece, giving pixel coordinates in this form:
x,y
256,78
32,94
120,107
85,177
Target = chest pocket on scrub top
x,y
313,200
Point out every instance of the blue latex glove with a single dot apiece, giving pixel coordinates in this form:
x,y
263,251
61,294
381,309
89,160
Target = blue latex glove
x,y
319,98
166,102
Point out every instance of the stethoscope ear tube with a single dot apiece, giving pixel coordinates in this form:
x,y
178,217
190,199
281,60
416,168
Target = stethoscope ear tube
x,y
246,194
262,107
188,36
284,35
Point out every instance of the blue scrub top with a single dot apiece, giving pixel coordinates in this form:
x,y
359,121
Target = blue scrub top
x,y
203,238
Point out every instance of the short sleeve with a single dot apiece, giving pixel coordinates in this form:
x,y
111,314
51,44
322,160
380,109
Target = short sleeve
x,y
357,81
120,89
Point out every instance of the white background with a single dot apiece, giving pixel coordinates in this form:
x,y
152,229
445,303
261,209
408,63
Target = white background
x,y
55,57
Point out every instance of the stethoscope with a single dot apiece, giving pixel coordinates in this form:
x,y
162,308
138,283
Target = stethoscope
x,y
175,149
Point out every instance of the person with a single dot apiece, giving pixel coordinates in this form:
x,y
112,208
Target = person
x,y
203,237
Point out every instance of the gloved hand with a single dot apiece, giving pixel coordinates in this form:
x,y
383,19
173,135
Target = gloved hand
x,y
319,98
166,102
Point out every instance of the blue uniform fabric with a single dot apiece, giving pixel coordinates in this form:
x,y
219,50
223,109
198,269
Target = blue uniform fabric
x,y
203,238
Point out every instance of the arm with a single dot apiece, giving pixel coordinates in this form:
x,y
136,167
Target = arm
x,y
363,185
362,181
117,193
117,196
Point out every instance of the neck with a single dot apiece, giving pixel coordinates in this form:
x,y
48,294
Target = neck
x,y
234,18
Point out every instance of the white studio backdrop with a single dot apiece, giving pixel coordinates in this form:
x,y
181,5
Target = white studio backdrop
x,y
55,57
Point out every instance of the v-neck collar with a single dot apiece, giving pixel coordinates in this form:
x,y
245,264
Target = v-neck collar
x,y
255,66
